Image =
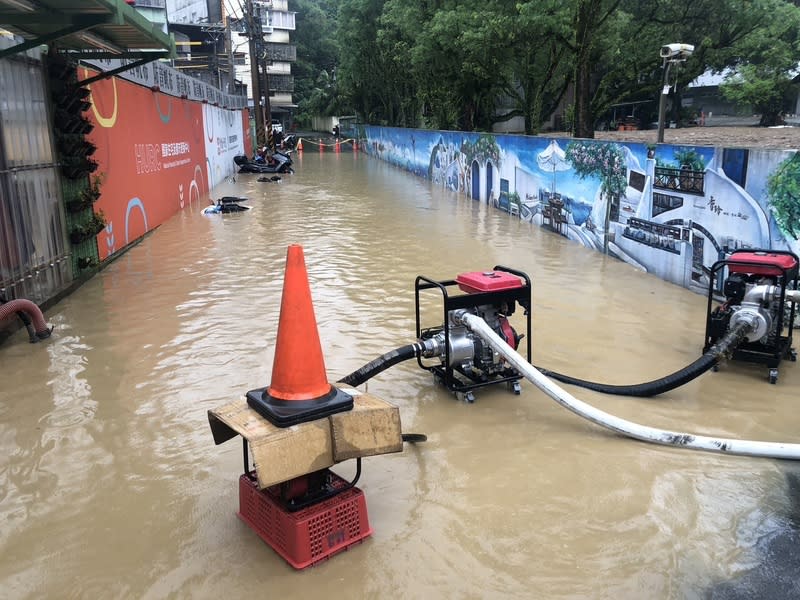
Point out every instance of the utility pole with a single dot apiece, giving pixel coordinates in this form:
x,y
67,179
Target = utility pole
x,y
255,34
229,53
214,32
230,80
662,103
267,106
672,54
263,62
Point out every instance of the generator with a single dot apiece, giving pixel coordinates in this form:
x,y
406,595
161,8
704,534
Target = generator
x,y
758,288
462,361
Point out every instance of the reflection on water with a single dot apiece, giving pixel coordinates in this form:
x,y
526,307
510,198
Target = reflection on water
x,y
111,486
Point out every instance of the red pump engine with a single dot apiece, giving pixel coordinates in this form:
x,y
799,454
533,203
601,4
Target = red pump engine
x,y
760,289
464,361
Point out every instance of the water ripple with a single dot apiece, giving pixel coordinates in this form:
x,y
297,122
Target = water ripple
x,y
105,434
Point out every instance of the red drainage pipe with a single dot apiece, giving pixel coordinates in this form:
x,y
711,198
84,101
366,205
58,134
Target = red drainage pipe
x,y
27,310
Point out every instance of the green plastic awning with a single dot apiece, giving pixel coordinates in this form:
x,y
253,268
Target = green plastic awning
x,y
85,29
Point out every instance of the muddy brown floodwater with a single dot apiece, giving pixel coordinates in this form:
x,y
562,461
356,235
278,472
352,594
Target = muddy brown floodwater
x,y
111,485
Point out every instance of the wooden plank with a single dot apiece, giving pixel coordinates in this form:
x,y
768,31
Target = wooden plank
x,y
372,427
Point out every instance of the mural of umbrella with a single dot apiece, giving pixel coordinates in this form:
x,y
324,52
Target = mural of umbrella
x,y
553,159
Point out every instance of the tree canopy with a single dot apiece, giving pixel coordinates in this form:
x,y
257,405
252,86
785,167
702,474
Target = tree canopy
x,y
467,64
768,63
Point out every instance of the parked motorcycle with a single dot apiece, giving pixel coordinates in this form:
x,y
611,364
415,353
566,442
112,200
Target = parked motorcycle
x,y
289,143
279,163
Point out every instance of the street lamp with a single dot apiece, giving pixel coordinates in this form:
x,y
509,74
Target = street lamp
x,y
671,53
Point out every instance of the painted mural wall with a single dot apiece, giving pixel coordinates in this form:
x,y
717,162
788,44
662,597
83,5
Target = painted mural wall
x,y
669,210
157,154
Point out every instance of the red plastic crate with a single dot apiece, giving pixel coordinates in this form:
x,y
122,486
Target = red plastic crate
x,y
310,535
763,263
487,281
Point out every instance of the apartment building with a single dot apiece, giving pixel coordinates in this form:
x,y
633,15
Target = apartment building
x,y
274,46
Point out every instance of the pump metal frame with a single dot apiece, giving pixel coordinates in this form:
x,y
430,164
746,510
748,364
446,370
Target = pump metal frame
x,y
446,373
324,492
756,352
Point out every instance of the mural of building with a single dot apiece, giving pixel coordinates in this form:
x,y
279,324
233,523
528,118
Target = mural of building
x,y
668,210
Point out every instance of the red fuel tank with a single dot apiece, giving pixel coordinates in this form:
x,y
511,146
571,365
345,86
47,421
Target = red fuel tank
x,y
487,281
763,263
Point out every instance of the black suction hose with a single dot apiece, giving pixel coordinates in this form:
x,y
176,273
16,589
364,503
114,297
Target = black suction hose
x,y
382,363
658,386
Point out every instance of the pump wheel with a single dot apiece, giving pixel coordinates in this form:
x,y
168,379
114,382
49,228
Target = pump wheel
x,y
467,397
773,376
792,355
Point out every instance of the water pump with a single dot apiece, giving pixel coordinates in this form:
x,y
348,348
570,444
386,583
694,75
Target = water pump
x,y
757,288
461,361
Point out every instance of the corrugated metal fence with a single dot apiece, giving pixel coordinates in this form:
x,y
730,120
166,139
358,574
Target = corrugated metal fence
x,y
34,261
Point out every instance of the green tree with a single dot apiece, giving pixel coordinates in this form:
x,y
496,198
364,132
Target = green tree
x,y
375,72
783,188
623,41
766,62
762,87
395,39
452,61
324,99
725,33
540,63
590,18
459,61
317,53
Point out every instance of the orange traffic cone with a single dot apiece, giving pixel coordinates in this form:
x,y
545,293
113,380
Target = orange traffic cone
x,y
299,390
300,144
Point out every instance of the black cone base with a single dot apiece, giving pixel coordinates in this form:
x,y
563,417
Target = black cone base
x,y
284,413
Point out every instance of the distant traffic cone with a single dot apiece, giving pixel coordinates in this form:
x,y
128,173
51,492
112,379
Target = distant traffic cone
x,y
337,147
300,145
299,390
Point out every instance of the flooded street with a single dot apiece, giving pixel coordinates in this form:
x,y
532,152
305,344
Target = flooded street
x,y
111,485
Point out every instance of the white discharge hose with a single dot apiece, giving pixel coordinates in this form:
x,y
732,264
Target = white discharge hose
x,y
628,428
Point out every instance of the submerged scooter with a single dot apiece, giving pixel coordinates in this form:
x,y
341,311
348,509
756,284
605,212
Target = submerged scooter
x,y
226,204
279,163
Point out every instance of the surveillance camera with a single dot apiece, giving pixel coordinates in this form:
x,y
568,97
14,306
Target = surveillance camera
x,y
676,51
